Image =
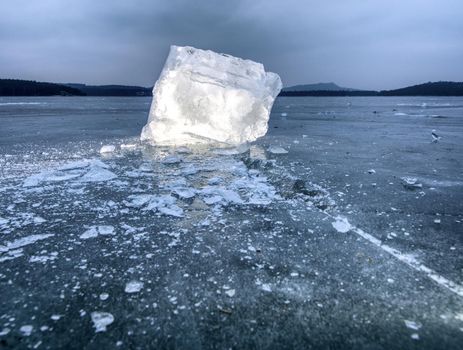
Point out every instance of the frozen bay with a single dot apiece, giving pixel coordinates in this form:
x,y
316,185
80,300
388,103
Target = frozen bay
x,y
352,237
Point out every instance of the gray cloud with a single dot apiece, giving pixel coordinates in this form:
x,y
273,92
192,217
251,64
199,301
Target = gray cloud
x,y
375,44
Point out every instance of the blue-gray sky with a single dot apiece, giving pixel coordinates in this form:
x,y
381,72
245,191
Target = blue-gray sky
x,y
377,44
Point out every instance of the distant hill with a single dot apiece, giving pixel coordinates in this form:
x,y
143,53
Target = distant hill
x,y
441,88
330,93
14,87
318,87
111,90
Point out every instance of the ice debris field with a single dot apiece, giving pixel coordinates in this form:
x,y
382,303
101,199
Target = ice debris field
x,y
145,240
152,208
336,228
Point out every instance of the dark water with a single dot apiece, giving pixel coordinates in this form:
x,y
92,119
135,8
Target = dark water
x,y
353,239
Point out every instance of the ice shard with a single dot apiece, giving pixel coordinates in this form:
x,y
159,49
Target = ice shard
x,y
206,97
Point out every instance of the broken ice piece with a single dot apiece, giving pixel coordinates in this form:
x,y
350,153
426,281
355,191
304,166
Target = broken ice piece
x,y
26,330
94,231
277,150
206,97
101,320
172,159
412,325
341,224
266,287
411,183
107,149
128,146
133,287
230,293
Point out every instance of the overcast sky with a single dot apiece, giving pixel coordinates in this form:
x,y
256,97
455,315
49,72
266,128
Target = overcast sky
x,y
374,44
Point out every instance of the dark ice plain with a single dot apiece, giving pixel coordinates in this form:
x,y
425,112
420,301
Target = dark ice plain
x,y
352,239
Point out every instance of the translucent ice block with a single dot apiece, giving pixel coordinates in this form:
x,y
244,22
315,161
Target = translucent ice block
x,y
207,97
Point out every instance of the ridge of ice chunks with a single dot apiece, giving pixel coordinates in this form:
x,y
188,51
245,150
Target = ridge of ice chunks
x,y
180,189
203,97
311,193
287,186
164,204
17,220
21,242
258,162
220,195
14,249
238,186
95,231
91,170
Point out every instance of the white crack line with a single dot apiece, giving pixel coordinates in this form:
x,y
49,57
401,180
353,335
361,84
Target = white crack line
x,y
407,259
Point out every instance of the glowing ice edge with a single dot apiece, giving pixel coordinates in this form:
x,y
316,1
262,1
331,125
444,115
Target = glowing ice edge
x,y
204,97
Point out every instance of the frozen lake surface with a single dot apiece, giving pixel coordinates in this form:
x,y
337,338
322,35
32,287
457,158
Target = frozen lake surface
x,y
342,228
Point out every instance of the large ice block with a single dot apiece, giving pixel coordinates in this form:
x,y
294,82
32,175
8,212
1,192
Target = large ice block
x,y
206,97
